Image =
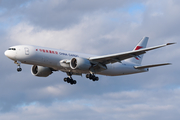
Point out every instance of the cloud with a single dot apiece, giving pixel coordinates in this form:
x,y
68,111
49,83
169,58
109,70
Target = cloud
x,y
11,4
58,14
66,13
125,105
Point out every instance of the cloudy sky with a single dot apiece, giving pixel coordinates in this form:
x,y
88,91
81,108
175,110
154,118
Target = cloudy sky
x,y
94,27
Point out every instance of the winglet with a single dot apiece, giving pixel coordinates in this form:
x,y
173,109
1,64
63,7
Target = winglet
x,y
170,43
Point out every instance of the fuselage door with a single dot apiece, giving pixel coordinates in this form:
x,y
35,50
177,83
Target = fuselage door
x,y
26,51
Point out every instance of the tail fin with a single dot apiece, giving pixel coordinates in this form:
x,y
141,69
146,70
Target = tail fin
x,y
138,59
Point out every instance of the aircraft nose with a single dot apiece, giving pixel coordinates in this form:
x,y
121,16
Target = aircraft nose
x,y
6,53
9,54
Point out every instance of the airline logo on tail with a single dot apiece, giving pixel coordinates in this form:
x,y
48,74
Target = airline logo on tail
x,y
137,48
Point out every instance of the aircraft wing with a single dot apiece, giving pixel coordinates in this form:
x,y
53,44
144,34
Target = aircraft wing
x,y
106,59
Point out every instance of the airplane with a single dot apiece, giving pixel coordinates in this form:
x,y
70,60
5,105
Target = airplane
x,y
47,60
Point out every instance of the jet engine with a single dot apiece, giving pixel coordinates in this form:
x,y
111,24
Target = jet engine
x,y
80,63
41,71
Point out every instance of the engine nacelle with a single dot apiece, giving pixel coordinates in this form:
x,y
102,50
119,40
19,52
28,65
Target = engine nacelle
x,y
80,63
41,71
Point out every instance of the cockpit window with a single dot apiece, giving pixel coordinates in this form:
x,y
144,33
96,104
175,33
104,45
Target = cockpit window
x,y
12,49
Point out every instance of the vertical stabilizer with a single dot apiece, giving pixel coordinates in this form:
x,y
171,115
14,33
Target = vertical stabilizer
x,y
138,59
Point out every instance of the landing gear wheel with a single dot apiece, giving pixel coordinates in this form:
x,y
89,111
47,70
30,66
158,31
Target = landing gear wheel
x,y
91,77
96,78
68,80
19,69
87,75
65,79
74,82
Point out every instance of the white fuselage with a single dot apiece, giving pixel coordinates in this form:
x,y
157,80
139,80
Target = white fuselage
x,y
51,58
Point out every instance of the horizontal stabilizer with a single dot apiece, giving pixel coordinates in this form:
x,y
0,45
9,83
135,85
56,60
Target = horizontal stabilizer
x,y
149,66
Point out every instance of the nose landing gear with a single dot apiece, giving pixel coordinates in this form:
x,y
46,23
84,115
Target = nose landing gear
x,y
19,69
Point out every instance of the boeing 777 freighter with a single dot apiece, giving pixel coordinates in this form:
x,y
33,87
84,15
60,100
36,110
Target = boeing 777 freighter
x,y
47,60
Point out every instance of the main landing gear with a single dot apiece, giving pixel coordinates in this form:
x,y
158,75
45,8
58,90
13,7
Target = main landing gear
x,y
69,79
92,77
19,69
